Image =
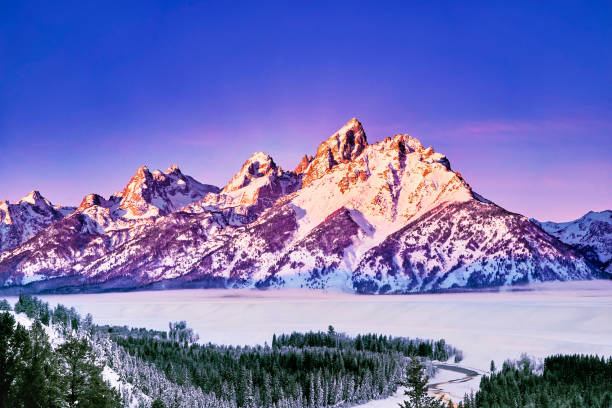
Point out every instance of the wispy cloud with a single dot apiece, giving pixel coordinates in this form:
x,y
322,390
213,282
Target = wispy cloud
x,y
506,127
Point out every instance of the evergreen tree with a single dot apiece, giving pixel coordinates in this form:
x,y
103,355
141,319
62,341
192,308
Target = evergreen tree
x,y
563,382
416,387
84,384
40,383
5,306
13,343
158,404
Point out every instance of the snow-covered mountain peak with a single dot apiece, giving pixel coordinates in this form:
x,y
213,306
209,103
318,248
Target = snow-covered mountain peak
x,y
91,200
591,233
152,194
605,215
136,195
342,147
35,198
256,187
389,183
172,169
27,217
258,165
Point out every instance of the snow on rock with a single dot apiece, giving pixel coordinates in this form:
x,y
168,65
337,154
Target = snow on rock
x,y
591,234
373,218
26,218
256,187
342,147
153,194
55,337
466,244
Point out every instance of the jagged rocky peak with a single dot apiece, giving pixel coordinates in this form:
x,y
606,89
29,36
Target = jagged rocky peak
x,y
343,146
151,194
258,165
37,202
35,198
390,182
136,195
406,144
91,200
27,217
348,142
173,169
301,168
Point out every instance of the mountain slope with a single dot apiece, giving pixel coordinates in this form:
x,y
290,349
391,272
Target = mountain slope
x,y
24,219
468,244
591,234
375,218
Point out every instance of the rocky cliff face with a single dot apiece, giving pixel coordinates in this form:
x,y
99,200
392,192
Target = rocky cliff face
x,y
342,147
373,218
154,194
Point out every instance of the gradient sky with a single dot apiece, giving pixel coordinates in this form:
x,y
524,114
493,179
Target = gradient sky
x,y
518,95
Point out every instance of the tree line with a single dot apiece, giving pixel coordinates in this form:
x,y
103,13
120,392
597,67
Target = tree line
x,y
377,343
315,369
265,376
564,381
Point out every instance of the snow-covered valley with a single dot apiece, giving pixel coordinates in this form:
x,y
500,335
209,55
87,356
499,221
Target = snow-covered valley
x,y
570,317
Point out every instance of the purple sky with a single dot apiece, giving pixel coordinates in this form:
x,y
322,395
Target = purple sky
x,y
519,97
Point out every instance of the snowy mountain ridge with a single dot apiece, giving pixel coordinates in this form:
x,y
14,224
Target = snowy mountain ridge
x,y
591,234
30,215
374,218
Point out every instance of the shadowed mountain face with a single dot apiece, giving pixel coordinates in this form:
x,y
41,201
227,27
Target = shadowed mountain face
x,y
388,217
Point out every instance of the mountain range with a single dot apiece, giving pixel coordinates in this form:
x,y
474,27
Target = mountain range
x,y
388,217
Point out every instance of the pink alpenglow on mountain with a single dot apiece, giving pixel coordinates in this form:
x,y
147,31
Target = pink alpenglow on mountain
x,y
387,217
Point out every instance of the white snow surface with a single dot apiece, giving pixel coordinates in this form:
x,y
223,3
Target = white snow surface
x,y
109,375
55,339
543,319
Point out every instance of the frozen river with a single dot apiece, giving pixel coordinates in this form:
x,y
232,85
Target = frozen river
x,y
552,318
